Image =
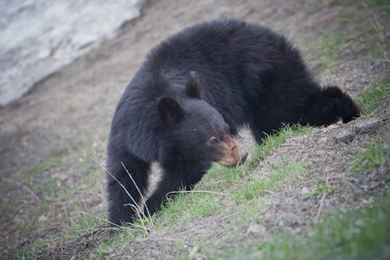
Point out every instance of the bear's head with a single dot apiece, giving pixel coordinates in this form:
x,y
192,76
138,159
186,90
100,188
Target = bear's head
x,y
194,130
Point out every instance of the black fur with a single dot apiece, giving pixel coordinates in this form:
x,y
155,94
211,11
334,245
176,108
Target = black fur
x,y
241,74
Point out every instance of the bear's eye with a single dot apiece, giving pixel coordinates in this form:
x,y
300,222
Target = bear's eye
x,y
214,140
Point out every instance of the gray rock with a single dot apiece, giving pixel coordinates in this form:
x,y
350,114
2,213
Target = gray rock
x,y
70,29
344,136
367,126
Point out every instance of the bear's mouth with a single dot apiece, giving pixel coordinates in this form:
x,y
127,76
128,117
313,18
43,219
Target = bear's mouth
x,y
229,153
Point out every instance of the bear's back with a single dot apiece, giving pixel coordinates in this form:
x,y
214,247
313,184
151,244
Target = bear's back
x,y
218,45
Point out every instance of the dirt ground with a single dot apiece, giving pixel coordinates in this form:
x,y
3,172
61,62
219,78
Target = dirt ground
x,y
72,109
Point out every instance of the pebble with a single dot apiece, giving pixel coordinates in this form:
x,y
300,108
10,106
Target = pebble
x,y
256,229
42,218
305,191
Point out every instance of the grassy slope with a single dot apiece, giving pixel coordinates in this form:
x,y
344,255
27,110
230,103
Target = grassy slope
x,y
357,233
361,233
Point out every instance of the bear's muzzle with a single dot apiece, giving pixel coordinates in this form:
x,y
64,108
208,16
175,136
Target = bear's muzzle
x,y
230,153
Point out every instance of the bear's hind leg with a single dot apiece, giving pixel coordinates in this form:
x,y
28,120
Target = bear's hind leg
x,y
327,106
124,198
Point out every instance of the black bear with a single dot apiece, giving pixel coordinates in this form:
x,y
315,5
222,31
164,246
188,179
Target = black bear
x,y
186,102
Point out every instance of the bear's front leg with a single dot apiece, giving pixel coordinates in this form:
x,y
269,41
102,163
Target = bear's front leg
x,y
127,182
176,176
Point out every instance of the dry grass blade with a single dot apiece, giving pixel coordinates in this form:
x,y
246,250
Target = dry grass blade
x,y
195,191
142,197
137,208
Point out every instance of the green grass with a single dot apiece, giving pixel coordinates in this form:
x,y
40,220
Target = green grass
x,y
185,208
273,141
342,34
322,188
373,156
375,96
331,43
84,226
189,206
225,176
381,5
249,191
124,237
251,212
7,207
203,200
49,164
354,34
278,174
357,234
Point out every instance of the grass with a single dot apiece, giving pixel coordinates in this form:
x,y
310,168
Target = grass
x,y
85,225
49,164
45,191
7,206
381,5
203,200
220,177
251,212
331,43
377,95
322,188
185,208
358,234
248,197
340,37
355,32
373,156
278,174
114,241
270,142
273,141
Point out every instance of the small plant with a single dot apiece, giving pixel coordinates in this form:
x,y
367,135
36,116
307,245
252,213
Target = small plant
x,y
322,188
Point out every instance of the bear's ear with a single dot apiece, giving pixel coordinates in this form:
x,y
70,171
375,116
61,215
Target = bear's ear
x,y
193,85
170,110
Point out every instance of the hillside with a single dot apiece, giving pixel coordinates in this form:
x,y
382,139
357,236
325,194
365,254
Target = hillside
x,y
305,193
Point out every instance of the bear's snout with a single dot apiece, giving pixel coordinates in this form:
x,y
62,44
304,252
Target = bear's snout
x,y
230,153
